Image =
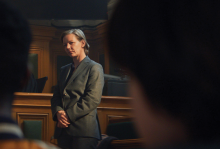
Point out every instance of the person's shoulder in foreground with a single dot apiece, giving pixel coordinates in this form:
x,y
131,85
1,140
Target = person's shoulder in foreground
x,y
15,39
171,50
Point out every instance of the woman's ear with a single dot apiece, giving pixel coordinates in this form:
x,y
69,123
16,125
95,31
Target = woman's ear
x,y
83,43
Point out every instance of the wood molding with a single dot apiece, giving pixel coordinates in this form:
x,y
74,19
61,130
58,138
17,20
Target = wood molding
x,y
35,116
39,52
109,108
31,105
119,118
127,143
54,66
116,97
43,31
22,94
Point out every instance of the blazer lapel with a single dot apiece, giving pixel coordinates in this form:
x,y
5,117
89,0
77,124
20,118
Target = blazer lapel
x,y
83,64
64,76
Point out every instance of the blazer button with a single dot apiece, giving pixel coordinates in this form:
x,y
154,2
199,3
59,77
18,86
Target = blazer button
x,y
64,94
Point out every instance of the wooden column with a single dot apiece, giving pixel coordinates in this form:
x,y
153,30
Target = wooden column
x,y
41,44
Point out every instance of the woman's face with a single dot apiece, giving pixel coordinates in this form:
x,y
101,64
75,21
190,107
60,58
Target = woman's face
x,y
73,46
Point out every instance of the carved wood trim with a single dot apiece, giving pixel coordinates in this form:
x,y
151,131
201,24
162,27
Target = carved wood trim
x,y
54,66
31,105
35,116
38,51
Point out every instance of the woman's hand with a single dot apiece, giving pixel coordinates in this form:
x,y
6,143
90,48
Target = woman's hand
x,y
63,120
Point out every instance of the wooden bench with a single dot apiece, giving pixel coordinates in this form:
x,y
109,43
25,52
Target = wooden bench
x,y
125,143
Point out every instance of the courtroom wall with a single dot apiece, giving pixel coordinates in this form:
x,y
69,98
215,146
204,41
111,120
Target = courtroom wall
x,y
50,52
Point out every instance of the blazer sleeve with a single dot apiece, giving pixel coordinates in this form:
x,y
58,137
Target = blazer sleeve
x,y
91,97
56,102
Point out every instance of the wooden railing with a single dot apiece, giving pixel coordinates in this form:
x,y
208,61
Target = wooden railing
x,y
36,106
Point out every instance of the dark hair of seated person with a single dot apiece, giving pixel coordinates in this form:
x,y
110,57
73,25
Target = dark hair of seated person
x,y
15,39
173,48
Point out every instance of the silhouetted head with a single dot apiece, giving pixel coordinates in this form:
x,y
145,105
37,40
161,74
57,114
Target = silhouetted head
x,y
172,51
15,39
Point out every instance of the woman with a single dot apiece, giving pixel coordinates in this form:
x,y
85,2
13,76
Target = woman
x,y
77,95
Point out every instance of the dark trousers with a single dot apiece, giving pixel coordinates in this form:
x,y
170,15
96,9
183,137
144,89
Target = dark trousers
x,y
66,141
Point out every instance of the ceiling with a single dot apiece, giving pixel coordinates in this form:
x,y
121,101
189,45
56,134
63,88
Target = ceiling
x,y
76,23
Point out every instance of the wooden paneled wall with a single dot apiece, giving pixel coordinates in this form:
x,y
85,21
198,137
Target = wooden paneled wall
x,y
46,43
42,37
36,106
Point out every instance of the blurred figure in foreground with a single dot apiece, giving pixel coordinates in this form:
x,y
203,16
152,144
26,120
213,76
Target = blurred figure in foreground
x,y
172,51
15,39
